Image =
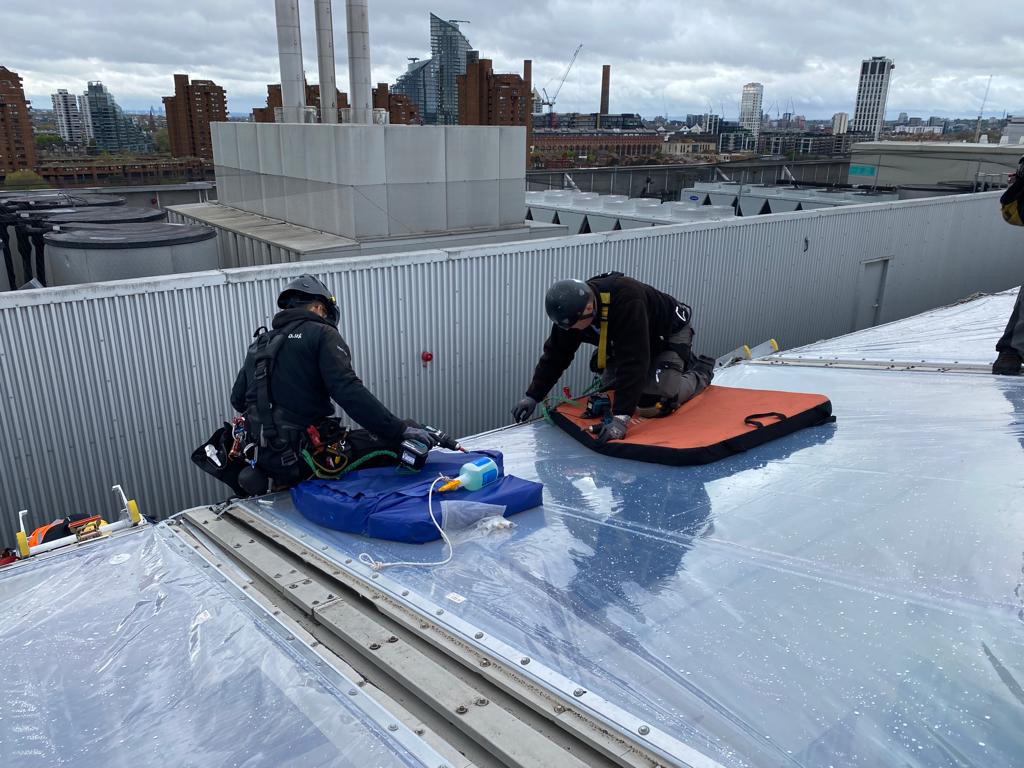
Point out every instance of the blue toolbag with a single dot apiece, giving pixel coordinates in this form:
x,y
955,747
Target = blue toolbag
x,y
385,503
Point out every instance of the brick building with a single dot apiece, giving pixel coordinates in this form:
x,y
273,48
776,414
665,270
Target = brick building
x,y
570,149
489,99
90,173
17,142
690,146
266,114
189,113
587,121
401,109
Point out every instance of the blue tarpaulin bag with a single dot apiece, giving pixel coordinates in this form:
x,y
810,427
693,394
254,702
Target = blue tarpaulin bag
x,y
384,503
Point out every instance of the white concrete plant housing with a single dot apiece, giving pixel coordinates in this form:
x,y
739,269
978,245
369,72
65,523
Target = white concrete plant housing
x,y
897,163
366,181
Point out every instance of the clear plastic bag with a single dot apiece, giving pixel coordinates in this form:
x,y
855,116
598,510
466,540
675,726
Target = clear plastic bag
x,y
457,515
494,524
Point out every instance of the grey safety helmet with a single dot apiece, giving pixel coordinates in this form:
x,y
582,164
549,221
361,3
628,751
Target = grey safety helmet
x,y
304,289
566,302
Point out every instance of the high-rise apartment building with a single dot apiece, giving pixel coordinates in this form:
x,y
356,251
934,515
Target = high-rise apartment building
x,y
872,93
400,109
72,125
489,99
840,123
112,129
712,123
189,113
449,49
538,103
750,107
419,85
432,84
17,143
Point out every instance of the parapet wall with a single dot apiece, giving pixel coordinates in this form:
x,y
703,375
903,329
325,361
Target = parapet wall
x,y
372,181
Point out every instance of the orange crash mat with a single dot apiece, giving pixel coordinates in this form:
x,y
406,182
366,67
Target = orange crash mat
x,y
718,422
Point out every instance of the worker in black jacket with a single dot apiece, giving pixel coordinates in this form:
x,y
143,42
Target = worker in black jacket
x,y
288,380
644,348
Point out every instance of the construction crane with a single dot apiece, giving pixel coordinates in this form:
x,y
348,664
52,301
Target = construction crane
x,y
977,128
549,101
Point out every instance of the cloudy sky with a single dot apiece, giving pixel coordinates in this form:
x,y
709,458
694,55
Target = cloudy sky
x,y
668,57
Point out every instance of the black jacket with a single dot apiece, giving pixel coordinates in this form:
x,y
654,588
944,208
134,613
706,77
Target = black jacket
x,y
640,318
313,367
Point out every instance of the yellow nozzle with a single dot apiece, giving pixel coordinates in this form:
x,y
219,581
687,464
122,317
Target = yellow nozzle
x,y
451,485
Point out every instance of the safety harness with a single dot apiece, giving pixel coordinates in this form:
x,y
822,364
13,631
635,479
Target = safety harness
x,y
265,350
324,446
602,339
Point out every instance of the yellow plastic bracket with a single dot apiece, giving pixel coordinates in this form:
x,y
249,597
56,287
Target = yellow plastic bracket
x,y
133,512
746,352
23,549
775,345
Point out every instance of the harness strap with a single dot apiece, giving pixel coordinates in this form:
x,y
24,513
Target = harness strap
x,y
602,341
267,346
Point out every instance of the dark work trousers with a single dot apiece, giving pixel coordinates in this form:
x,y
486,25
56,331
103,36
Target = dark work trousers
x,y
669,383
1013,336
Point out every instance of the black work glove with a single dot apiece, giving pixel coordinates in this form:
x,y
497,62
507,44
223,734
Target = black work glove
x,y
524,409
420,436
615,429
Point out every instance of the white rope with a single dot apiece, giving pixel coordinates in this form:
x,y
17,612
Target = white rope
x,y
367,559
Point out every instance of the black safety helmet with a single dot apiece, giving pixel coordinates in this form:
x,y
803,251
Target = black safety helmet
x,y
304,289
566,301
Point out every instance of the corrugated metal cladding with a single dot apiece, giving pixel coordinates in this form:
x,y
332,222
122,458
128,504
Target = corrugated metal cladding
x,y
238,250
117,382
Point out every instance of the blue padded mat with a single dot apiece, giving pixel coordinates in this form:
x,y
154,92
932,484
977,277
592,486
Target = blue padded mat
x,y
385,503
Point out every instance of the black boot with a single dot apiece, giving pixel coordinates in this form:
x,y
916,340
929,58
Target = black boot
x,y
1007,364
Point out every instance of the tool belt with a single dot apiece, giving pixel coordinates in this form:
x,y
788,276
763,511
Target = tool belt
x,y
323,447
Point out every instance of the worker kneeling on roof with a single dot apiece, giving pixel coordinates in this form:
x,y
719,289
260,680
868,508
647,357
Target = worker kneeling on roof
x,y
285,387
644,348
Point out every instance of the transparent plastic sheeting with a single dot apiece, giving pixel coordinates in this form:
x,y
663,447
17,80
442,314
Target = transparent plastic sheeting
x,y
124,653
961,333
845,596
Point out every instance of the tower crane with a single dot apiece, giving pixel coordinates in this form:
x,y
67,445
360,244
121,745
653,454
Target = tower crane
x,y
977,128
549,101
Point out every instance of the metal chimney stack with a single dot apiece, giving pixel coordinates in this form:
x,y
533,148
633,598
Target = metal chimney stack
x,y
289,52
606,75
325,61
360,89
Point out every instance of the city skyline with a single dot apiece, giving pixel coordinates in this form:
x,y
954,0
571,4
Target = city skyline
x,y
663,61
